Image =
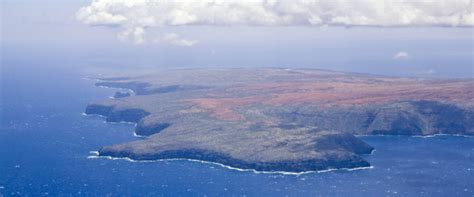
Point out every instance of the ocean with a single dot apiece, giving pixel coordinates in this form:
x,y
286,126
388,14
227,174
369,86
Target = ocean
x,y
45,144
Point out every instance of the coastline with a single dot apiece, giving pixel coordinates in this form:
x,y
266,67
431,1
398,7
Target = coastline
x,y
418,136
134,115
97,156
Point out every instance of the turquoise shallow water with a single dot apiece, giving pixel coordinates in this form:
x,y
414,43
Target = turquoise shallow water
x,y
45,142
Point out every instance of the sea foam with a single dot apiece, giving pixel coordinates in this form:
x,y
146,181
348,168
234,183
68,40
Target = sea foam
x,y
97,156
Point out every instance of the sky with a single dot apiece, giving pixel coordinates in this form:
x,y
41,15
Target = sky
x,y
396,38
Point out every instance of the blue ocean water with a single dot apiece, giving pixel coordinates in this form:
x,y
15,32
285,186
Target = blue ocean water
x,y
45,142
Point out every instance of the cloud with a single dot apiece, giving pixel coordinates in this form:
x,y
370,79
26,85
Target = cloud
x,y
135,16
136,34
402,55
175,39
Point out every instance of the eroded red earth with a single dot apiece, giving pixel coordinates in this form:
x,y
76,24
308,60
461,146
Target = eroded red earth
x,y
334,92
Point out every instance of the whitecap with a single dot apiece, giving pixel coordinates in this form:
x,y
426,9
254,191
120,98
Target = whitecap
x,y
122,122
85,114
136,135
441,134
373,151
419,136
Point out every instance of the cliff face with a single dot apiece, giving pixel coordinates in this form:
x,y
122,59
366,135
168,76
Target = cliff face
x,y
117,115
279,120
399,118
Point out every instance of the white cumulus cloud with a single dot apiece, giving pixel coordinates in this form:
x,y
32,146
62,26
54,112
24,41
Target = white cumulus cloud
x,y
401,55
175,39
135,16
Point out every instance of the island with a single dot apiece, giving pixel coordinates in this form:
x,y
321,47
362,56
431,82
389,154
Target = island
x,y
276,119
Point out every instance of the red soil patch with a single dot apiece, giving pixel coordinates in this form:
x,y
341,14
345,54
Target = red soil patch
x,y
334,93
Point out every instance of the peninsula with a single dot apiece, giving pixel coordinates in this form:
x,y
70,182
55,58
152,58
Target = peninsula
x,y
273,119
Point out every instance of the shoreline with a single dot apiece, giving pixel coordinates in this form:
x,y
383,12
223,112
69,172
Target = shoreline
x,y
97,156
121,122
419,136
97,80
365,135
